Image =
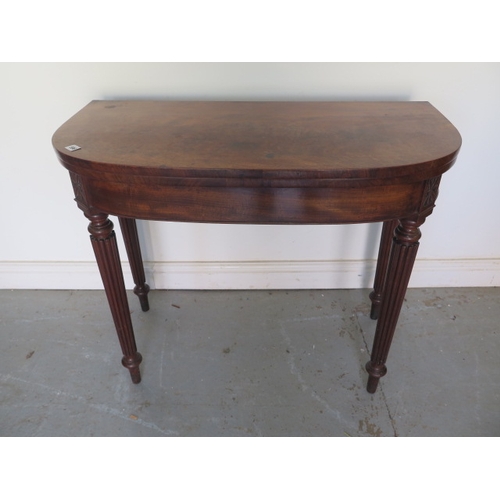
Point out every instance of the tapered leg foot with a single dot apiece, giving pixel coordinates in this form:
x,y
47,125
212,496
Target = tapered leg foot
x,y
132,363
374,375
376,303
142,293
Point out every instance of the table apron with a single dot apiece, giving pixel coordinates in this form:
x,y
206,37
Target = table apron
x,y
255,205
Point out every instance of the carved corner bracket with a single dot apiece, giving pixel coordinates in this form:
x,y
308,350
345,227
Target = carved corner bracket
x,y
429,197
82,196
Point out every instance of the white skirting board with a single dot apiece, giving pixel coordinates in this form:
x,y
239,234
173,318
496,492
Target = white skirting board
x,y
249,275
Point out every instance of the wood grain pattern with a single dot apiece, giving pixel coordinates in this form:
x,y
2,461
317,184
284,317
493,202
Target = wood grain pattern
x,y
261,139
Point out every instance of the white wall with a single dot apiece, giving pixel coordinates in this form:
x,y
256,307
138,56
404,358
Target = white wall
x,y
44,238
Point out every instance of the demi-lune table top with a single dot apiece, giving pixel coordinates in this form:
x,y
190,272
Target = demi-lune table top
x,y
265,140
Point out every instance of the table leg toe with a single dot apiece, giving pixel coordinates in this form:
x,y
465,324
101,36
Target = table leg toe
x,y
132,364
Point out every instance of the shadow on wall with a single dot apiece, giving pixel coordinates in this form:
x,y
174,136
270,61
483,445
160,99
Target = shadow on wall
x,y
249,97
337,272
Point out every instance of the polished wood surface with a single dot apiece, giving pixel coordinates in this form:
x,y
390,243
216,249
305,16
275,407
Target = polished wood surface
x,y
259,162
245,140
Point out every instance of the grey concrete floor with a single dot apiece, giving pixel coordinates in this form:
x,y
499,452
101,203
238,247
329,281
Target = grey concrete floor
x,y
249,363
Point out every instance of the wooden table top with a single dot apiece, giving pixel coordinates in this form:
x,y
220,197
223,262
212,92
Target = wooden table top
x,y
284,140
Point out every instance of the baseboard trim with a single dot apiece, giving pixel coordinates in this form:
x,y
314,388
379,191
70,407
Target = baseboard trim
x,y
249,275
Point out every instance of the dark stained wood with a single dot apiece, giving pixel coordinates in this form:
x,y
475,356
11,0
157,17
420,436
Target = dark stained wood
x,y
107,257
264,163
247,140
131,239
403,252
256,205
382,264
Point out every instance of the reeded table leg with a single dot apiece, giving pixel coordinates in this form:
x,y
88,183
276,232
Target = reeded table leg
x,y
131,239
108,260
402,257
382,263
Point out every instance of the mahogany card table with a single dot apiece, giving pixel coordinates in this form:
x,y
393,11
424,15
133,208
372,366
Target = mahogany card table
x,y
258,163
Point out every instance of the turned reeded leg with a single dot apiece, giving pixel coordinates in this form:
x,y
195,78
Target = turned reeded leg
x,y
131,239
382,263
402,257
108,260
